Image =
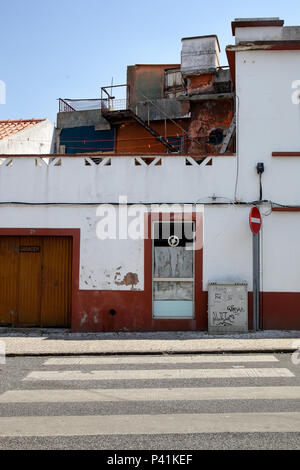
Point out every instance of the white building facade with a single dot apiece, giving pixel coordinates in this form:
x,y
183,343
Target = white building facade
x,y
27,137
90,226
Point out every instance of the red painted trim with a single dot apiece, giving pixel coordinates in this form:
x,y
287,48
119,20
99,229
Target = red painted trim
x,y
285,154
278,45
90,309
265,46
281,310
254,24
52,232
231,61
285,209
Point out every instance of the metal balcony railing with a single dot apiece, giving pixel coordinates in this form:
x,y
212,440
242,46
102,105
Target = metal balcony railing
x,y
113,104
64,106
67,105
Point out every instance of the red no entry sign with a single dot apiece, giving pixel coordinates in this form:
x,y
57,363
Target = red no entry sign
x,y
255,220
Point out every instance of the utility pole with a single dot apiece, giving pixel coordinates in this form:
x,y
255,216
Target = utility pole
x,y
255,226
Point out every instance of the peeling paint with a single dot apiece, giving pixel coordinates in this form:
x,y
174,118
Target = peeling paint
x,y
130,279
84,319
208,115
200,83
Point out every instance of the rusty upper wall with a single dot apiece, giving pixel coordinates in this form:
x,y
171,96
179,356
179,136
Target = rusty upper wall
x,y
146,81
210,82
160,109
210,119
205,109
133,138
200,100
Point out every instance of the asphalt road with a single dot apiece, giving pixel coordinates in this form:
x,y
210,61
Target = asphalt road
x,y
249,401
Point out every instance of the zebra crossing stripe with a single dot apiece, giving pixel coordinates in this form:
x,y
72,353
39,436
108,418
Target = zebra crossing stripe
x,y
157,374
149,424
151,394
177,359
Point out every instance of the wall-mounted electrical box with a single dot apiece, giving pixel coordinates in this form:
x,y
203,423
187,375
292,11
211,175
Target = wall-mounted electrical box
x,y
227,307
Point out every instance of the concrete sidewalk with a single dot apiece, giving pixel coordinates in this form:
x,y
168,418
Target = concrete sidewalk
x,y
62,342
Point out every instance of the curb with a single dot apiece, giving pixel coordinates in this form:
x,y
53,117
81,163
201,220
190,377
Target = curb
x,y
153,353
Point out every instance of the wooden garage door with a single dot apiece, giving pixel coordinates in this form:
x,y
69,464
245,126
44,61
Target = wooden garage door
x,y
35,281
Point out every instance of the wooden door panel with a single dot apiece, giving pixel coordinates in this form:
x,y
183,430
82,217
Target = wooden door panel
x,y
29,288
35,281
9,259
56,282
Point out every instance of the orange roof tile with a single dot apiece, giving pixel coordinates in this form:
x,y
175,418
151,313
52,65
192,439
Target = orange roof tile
x,y
8,128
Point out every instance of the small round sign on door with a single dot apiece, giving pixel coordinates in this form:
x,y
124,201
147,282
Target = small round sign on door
x,y
255,220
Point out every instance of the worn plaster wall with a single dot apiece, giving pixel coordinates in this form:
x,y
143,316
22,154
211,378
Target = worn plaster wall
x,y
118,264
104,264
208,115
258,33
79,180
268,120
36,139
146,80
92,117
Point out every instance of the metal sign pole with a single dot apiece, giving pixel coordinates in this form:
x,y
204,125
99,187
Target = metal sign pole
x,y
256,281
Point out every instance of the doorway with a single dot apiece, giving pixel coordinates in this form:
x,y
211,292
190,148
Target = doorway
x,y
173,270
35,281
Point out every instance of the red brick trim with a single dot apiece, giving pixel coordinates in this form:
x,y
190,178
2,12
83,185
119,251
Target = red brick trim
x,y
231,61
285,154
285,209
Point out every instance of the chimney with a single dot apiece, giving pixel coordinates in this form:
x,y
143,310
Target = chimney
x,y
257,29
200,54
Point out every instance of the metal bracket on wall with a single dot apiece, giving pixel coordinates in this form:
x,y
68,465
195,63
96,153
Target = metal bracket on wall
x,y
229,135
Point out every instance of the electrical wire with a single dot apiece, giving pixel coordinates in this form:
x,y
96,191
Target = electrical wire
x,y
236,204
237,146
262,278
260,187
133,139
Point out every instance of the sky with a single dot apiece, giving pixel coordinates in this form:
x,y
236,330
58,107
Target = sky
x,y
70,48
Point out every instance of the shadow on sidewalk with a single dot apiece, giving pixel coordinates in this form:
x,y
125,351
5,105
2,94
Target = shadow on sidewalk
x,y
66,335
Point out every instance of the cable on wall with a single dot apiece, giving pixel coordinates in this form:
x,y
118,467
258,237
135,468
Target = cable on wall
x,y
237,146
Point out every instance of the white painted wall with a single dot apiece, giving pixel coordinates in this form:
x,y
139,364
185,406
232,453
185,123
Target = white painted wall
x,y
104,263
227,246
33,180
227,254
36,139
267,33
259,33
268,121
281,252
100,260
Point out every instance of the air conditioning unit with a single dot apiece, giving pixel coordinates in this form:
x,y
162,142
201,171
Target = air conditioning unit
x,y
227,307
